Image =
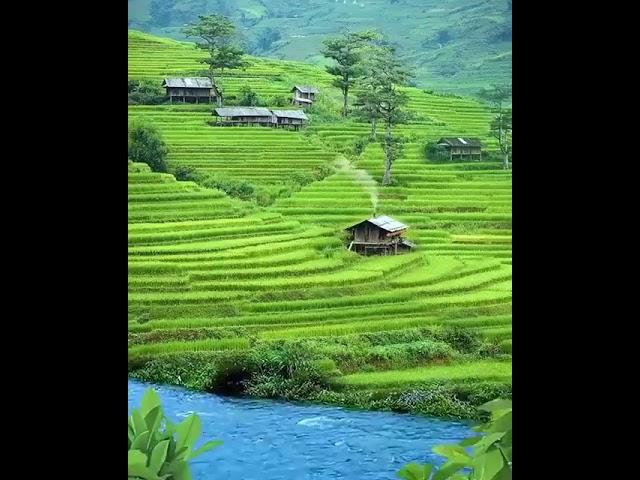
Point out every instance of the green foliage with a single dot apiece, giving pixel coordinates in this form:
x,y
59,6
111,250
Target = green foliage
x,y
147,146
158,448
492,452
347,53
146,92
249,98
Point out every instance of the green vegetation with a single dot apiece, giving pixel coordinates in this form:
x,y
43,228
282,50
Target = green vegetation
x,y
146,146
492,452
158,448
238,276
454,46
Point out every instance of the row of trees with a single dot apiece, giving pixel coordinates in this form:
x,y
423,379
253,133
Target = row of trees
x,y
362,60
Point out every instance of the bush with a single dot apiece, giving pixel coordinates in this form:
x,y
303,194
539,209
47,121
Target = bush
x,y
145,92
234,188
249,98
159,448
187,174
279,101
147,146
435,152
360,145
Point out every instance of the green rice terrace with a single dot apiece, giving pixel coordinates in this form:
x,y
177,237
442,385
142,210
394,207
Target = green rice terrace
x,y
217,284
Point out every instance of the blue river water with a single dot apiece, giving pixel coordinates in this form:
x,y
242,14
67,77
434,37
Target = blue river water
x,y
268,440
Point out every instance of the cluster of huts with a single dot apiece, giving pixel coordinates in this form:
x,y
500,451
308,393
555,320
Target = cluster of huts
x,y
201,89
196,89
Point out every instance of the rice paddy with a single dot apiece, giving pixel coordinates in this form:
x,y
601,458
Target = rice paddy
x,y
199,259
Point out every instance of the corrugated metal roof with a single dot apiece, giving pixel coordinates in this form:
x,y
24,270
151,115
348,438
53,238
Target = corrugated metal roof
x,y
242,112
303,100
188,82
298,114
305,89
460,142
408,243
386,223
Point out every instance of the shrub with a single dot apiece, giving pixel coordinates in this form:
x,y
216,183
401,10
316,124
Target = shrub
x,y
435,152
491,457
249,98
159,449
145,92
147,146
279,101
183,173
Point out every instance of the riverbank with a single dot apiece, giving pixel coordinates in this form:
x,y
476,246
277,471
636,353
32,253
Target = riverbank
x,y
440,373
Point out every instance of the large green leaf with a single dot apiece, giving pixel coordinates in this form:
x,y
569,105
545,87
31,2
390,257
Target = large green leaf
x,y
487,466
414,471
153,418
188,432
467,442
138,466
141,442
150,400
502,423
138,423
496,405
158,456
487,441
205,448
454,453
447,470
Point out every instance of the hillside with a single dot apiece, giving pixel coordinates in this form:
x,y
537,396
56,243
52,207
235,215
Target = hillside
x,y
455,45
213,277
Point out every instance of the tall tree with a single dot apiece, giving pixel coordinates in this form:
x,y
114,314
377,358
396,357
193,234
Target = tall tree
x,y
499,97
501,128
217,34
383,101
380,98
347,52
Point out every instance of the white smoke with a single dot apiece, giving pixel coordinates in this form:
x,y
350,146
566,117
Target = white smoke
x,y
362,178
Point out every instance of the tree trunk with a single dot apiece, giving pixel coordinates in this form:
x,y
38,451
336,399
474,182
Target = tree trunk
x,y
345,108
386,180
374,124
506,161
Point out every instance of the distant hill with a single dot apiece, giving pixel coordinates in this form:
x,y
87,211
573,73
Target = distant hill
x,y
454,45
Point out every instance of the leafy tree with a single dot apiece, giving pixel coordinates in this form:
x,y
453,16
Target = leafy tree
x,y
147,146
491,458
217,34
248,97
383,101
380,98
158,448
499,96
501,127
347,52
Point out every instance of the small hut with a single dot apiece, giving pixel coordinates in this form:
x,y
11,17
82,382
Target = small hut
x,y
461,148
235,116
304,96
190,89
289,119
379,236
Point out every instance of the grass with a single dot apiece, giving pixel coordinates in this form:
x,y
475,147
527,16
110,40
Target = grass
x,y
483,370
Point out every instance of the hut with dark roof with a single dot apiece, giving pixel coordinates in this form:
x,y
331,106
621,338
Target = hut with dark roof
x,y
190,89
381,235
236,116
294,119
304,96
461,148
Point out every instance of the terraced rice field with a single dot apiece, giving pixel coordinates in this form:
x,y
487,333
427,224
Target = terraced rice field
x,y
208,273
